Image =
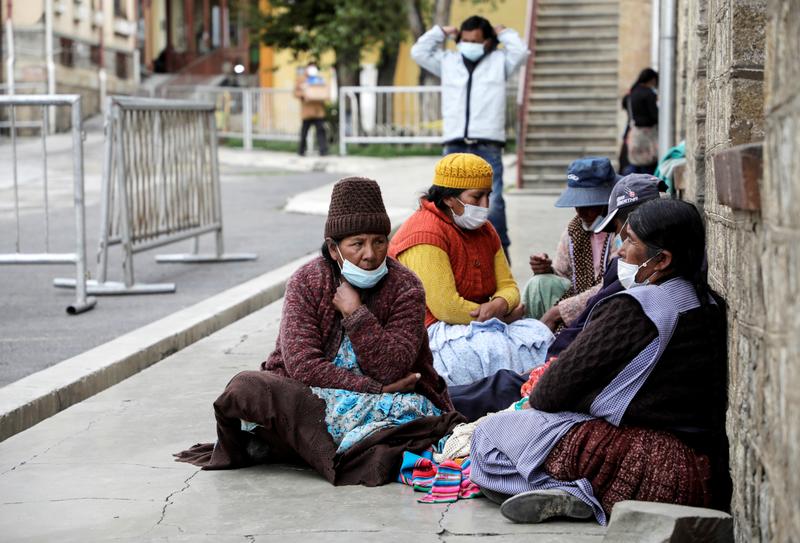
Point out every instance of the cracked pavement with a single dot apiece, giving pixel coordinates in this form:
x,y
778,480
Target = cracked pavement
x,y
102,470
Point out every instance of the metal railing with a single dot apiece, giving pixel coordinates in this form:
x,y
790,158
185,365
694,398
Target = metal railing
x,y
160,185
249,113
366,114
400,114
78,257
389,115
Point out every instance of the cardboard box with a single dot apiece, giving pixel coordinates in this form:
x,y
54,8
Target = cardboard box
x,y
316,93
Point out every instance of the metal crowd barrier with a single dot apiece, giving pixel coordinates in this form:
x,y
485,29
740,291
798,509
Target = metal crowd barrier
x,y
160,185
82,301
249,113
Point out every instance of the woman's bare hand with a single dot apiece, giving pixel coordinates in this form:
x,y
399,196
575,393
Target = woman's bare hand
x,y
541,263
552,318
406,384
494,308
346,300
517,314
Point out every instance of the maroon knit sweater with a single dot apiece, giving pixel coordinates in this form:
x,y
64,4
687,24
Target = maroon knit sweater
x,y
387,332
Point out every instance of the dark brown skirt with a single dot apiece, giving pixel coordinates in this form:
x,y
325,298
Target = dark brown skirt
x,y
629,463
292,423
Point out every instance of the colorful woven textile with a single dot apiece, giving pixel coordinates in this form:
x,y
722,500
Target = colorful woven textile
x,y
444,483
536,374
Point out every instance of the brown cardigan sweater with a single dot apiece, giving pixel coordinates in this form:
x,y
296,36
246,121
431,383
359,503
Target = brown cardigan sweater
x,y
387,333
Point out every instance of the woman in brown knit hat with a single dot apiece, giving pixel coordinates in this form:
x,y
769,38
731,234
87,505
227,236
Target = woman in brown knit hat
x,y
351,384
473,303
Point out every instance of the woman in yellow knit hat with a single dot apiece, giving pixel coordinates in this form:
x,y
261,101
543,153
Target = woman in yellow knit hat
x,y
473,311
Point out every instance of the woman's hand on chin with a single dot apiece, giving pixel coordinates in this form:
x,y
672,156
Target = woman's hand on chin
x,y
346,300
494,308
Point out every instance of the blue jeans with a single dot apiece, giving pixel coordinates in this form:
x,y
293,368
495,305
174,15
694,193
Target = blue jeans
x,y
493,154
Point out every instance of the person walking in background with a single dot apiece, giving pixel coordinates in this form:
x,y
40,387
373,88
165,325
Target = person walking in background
x,y
474,94
312,92
639,152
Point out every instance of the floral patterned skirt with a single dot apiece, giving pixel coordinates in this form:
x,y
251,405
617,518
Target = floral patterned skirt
x,y
352,416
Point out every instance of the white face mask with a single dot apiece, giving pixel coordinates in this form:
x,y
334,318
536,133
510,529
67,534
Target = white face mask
x,y
473,217
472,51
626,273
312,71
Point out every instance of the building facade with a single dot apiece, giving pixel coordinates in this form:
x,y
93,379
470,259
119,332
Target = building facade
x,y
87,35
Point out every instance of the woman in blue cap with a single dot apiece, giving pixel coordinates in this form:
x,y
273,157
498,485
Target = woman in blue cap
x,y
560,288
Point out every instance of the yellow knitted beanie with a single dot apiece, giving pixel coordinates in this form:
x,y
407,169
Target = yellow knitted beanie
x,y
463,171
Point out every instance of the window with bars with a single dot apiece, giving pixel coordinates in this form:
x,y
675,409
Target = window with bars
x,y
120,10
66,55
121,65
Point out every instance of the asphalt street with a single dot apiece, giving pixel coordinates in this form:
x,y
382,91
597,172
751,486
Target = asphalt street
x,y
36,332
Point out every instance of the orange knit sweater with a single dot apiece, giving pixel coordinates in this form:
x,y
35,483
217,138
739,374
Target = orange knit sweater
x,y
471,252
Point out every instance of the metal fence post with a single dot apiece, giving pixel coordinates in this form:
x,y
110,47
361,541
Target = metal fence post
x,y
10,60
247,118
106,192
342,121
82,303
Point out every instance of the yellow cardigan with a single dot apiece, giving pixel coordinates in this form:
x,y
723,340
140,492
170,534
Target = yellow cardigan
x,y
432,266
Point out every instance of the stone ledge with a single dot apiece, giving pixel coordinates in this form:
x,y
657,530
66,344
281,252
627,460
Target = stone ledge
x,y
650,522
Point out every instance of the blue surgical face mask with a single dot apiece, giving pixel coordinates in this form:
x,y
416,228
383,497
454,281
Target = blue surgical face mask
x,y
359,277
470,50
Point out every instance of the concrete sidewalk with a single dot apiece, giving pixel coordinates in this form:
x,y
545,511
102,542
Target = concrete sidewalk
x,y
102,469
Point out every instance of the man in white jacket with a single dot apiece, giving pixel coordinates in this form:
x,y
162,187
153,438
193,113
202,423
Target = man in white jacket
x,y
474,94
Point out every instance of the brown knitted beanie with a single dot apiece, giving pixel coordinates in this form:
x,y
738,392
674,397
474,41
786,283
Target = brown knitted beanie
x,y
356,208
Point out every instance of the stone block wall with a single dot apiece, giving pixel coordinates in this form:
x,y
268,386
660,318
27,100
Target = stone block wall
x,y
780,267
693,113
734,116
742,85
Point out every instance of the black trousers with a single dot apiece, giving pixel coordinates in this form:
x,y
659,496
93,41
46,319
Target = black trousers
x,y
319,128
489,395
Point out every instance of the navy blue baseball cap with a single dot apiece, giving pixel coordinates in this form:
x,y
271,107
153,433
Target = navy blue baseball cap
x,y
631,190
589,183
